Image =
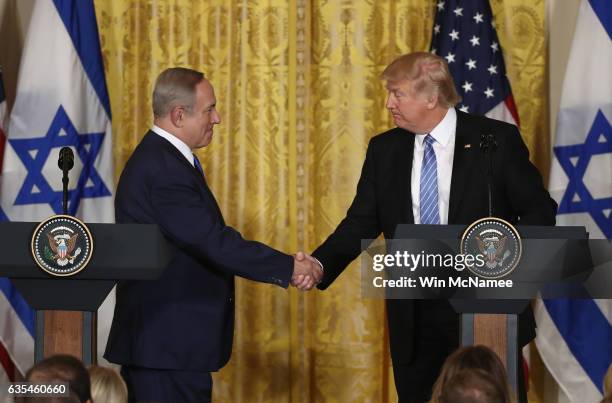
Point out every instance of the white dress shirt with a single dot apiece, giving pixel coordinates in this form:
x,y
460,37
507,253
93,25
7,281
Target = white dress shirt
x,y
176,142
444,147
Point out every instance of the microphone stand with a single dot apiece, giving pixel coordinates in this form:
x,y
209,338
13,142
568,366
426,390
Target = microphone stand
x,y
488,145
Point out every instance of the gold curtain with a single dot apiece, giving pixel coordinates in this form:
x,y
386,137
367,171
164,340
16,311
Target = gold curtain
x,y
299,94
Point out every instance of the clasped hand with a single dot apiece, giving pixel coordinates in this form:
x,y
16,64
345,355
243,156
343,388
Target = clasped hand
x,y
307,272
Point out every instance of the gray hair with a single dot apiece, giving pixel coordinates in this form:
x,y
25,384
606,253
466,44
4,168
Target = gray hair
x,y
175,87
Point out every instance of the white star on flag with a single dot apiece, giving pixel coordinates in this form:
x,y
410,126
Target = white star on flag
x,y
470,48
440,5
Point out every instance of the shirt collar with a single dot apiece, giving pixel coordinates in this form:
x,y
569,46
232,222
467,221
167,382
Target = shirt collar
x,y
176,142
444,130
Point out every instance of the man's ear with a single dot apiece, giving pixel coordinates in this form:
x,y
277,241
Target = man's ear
x,y
177,115
432,101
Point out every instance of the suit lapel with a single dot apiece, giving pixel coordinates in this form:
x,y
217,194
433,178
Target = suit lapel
x,y
406,151
466,147
192,171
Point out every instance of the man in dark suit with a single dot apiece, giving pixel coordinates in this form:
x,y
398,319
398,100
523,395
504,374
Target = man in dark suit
x,y
169,334
431,170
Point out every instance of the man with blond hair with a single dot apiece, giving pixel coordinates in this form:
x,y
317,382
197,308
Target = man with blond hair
x,y
431,170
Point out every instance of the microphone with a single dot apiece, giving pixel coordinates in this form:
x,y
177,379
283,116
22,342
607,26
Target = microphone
x,y
66,159
65,162
488,144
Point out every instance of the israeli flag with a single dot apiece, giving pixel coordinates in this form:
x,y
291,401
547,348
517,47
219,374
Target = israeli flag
x,y
62,101
575,336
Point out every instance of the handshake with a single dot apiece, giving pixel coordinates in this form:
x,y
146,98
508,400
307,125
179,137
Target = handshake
x,y
307,272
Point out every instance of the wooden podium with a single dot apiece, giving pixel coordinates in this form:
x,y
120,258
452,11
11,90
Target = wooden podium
x,y
66,306
494,322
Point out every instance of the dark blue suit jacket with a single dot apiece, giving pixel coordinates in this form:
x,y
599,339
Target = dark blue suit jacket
x,y
185,319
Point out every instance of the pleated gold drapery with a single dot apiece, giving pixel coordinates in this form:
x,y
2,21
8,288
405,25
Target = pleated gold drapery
x,y
299,95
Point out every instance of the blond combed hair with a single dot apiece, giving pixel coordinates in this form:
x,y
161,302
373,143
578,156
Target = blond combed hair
x,y
428,73
107,386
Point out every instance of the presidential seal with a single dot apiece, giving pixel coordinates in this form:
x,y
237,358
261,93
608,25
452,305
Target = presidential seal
x,y
62,245
497,241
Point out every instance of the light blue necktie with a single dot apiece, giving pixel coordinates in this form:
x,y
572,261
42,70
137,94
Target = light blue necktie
x,y
429,184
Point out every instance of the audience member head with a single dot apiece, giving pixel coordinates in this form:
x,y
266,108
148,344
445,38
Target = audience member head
x,y
471,357
62,368
473,386
107,386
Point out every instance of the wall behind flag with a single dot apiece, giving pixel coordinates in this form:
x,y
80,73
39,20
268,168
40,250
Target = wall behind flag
x,y
291,78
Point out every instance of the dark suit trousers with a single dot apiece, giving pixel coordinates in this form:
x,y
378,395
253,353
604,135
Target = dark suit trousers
x,y
146,385
436,337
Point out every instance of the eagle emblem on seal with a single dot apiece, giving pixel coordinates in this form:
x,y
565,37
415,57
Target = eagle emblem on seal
x,y
62,248
493,248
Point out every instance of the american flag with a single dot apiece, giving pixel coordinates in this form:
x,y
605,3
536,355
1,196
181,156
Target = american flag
x,y
464,34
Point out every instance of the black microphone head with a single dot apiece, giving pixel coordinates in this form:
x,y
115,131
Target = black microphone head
x,y
487,141
66,159
484,142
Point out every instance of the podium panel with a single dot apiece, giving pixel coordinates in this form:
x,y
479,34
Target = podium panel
x,y
66,306
493,323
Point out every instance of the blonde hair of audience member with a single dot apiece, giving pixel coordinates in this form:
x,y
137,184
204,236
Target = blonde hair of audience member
x,y
473,386
471,357
429,74
107,386
607,383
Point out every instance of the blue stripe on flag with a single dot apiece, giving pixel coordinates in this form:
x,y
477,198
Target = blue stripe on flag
x,y
603,10
21,307
79,18
587,333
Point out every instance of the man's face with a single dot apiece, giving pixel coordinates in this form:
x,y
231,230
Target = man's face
x,y
199,122
407,107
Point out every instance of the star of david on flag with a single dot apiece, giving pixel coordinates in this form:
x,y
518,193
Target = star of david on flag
x,y
575,159
35,152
